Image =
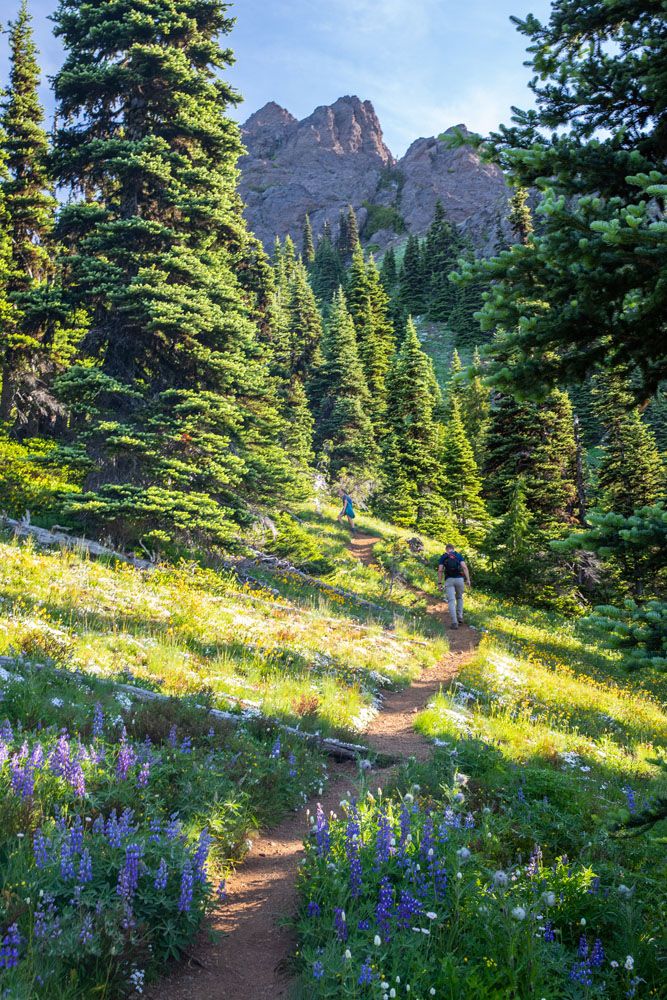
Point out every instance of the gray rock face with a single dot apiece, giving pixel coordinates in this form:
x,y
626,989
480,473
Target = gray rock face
x,y
337,156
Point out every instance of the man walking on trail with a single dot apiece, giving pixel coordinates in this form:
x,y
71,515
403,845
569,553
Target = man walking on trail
x,y
453,567
347,511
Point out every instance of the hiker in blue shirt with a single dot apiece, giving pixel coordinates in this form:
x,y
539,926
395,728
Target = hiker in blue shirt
x,y
347,511
453,567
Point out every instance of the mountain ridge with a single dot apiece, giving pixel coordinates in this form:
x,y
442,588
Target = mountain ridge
x,y
337,156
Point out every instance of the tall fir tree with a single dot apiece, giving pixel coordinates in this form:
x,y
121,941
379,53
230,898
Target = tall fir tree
x,y
305,326
533,441
326,272
520,217
631,473
476,409
442,247
344,432
463,488
172,395
413,494
411,293
389,271
348,234
29,206
308,244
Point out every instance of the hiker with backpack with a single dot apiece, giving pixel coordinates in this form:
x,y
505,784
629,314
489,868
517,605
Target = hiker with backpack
x,y
347,511
453,568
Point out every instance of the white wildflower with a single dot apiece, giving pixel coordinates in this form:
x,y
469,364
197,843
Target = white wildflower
x,y
377,941
549,898
519,913
463,854
629,963
500,878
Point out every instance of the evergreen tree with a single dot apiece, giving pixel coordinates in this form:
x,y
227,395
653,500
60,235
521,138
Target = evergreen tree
x,y
476,409
308,246
172,396
413,494
631,473
534,442
348,234
389,271
509,542
29,209
598,260
455,377
326,272
299,429
411,280
463,483
442,248
344,432
304,324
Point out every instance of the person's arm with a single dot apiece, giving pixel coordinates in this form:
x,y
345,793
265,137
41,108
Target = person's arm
x,y
466,573
440,573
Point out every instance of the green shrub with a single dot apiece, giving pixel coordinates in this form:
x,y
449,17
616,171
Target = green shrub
x,y
294,543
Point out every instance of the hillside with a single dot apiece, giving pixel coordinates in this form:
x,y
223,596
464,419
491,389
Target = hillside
x,y
337,156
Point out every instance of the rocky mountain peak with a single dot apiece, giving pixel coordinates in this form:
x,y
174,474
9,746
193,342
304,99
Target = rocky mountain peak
x,y
337,156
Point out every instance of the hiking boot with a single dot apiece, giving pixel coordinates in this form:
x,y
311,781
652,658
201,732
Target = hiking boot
x,y
453,626
460,621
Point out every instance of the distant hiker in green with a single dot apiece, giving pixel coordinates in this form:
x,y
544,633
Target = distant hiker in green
x,y
347,511
453,567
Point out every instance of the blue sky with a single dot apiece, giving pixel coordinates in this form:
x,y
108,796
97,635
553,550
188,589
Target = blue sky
x,y
425,64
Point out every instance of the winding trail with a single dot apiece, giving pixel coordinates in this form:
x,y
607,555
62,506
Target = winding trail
x,y
244,950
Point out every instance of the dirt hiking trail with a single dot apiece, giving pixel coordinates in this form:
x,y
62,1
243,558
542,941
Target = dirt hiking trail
x,y
244,949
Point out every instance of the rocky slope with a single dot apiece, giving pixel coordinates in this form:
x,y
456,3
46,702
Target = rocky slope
x,y
337,156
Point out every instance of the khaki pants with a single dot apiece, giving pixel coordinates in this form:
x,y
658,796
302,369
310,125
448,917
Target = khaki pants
x,y
454,588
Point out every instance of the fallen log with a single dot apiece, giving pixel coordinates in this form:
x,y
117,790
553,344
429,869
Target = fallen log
x,y
23,529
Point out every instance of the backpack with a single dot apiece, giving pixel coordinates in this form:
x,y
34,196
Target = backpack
x,y
452,565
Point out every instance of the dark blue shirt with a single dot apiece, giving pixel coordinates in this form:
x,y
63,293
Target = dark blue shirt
x,y
452,564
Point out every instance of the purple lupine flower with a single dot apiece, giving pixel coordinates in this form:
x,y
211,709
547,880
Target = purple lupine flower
x,y
318,970
186,745
144,775
275,749
40,847
67,872
382,840
77,779
126,759
583,947
37,756
98,721
292,766
364,925
85,867
76,836
9,948
581,973
469,823
404,829
173,827
22,778
313,909
187,884
356,877
549,934
128,877
125,822
6,732
155,827
520,795
427,844
630,799
160,882
322,833
366,974
201,856
173,742
59,758
535,862
384,908
221,891
594,887
409,909
86,934
4,752
340,924
597,954
98,824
